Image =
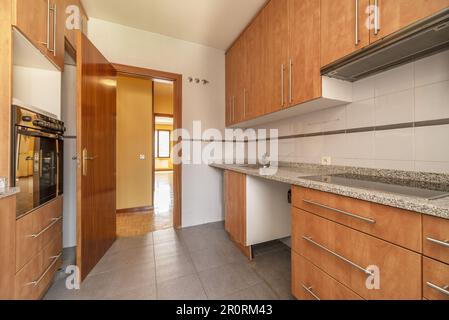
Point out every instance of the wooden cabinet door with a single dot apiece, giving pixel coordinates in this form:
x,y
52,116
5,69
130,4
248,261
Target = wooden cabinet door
x,y
276,55
240,82
32,19
343,28
235,206
229,98
305,43
394,15
256,38
57,35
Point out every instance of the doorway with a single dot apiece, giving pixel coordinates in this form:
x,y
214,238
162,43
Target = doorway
x,y
162,210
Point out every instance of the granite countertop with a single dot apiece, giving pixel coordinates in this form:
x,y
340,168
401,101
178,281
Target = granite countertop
x,y
9,192
297,176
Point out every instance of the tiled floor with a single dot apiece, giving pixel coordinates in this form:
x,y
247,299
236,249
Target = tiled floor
x,y
140,223
192,263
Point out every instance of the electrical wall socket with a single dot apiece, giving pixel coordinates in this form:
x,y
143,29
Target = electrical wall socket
x,y
326,161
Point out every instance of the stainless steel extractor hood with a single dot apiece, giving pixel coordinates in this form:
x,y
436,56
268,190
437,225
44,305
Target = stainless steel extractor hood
x,y
419,40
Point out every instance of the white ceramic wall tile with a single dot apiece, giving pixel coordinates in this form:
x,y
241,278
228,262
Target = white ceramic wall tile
x,y
334,119
362,163
334,146
432,101
286,150
360,145
432,143
360,114
394,165
432,69
310,149
398,79
433,167
394,108
363,89
394,144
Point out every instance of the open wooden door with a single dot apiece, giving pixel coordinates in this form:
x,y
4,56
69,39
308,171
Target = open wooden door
x,y
96,173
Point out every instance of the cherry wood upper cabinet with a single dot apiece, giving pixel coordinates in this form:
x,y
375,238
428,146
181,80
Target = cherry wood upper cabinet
x,y
394,15
256,57
304,64
43,23
276,55
343,28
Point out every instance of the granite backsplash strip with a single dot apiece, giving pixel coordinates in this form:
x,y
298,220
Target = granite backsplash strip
x,y
298,173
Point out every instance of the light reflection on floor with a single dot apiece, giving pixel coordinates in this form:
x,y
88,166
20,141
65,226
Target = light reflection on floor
x,y
135,224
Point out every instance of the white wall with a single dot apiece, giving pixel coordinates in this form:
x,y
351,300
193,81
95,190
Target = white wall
x,y
201,202
416,92
38,88
69,117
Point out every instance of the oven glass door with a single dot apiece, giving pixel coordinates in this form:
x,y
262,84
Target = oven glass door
x,y
36,171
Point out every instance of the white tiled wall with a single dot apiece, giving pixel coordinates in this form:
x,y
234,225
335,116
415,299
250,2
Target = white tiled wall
x,y
418,91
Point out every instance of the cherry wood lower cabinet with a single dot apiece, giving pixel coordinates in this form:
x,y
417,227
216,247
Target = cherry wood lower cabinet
x,y
436,238
38,250
435,280
349,256
235,209
7,248
311,283
398,226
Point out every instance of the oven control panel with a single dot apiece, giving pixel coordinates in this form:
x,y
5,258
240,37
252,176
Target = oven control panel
x,y
34,120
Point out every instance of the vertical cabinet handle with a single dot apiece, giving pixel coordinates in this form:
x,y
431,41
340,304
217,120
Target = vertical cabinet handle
x,y
233,108
290,79
55,27
244,103
282,84
357,40
376,17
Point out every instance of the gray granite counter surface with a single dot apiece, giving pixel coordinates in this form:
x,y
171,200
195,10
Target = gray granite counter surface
x,y
9,192
298,176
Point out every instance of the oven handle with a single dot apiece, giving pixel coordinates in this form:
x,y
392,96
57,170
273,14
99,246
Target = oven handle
x,y
34,133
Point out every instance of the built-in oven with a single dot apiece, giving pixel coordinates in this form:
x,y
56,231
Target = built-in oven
x,y
37,158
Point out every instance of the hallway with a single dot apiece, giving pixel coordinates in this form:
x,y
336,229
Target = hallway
x,y
130,224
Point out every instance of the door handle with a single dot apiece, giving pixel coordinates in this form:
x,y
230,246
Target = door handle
x,y
86,158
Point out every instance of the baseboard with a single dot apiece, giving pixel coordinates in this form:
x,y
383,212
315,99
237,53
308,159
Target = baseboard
x,y
134,210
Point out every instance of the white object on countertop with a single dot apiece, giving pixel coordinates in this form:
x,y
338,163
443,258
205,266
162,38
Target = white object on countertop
x,y
3,184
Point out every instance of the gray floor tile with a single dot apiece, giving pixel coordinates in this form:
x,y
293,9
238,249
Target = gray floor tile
x,y
131,243
258,292
143,293
185,288
169,248
165,235
228,279
173,267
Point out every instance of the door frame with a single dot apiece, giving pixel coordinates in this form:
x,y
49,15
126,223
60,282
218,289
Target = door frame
x,y
132,71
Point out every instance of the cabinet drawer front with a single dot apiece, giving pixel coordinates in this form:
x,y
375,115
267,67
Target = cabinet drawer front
x,y
349,255
436,238
310,283
34,279
36,230
25,289
394,225
435,280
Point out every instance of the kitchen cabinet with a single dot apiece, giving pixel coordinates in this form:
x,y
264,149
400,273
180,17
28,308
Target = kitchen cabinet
x,y
279,65
43,23
304,47
256,57
256,210
394,15
348,256
235,209
7,249
276,60
343,28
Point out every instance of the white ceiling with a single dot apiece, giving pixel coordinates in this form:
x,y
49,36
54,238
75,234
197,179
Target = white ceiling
x,y
214,23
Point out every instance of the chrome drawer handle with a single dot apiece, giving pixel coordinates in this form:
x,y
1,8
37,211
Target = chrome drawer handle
x,y
55,221
36,283
443,290
444,243
365,271
310,291
369,220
